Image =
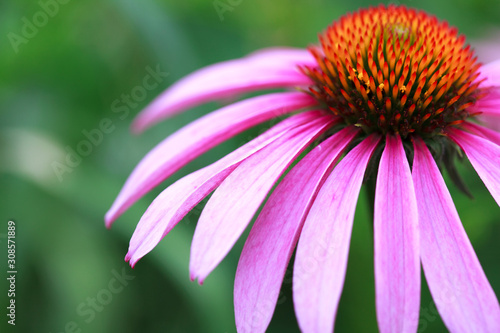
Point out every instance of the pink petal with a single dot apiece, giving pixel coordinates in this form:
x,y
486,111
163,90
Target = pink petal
x,y
488,110
490,121
198,137
458,285
283,57
489,104
484,156
235,202
274,235
491,73
397,261
321,258
272,68
182,196
484,132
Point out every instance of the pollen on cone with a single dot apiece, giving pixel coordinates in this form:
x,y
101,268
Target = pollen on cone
x,y
394,55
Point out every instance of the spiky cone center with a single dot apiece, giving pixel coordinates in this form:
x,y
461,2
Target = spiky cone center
x,y
395,70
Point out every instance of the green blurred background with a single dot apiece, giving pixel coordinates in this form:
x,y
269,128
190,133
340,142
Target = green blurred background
x,y
63,80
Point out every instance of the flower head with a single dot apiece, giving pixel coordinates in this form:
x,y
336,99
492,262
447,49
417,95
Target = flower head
x,y
395,70
387,88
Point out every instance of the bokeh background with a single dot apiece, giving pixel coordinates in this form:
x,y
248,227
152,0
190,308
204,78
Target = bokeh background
x,y
61,79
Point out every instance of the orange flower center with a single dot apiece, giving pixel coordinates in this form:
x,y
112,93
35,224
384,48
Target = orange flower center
x,y
394,69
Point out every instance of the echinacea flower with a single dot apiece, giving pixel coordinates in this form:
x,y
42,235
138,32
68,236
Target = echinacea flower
x,y
390,95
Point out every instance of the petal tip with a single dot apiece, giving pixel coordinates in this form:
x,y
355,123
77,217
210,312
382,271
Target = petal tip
x,y
195,275
117,209
132,262
109,218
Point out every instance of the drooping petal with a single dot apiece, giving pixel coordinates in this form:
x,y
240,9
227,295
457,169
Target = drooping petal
x,y
321,258
198,137
491,74
235,202
271,68
397,261
486,133
273,237
484,156
178,199
458,285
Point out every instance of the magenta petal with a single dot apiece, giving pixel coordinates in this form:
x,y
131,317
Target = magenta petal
x,y
274,235
488,105
486,133
321,258
486,109
179,198
198,137
397,261
235,202
458,285
491,73
484,156
272,68
492,122
283,57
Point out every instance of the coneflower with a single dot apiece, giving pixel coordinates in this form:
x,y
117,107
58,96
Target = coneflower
x,y
388,97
